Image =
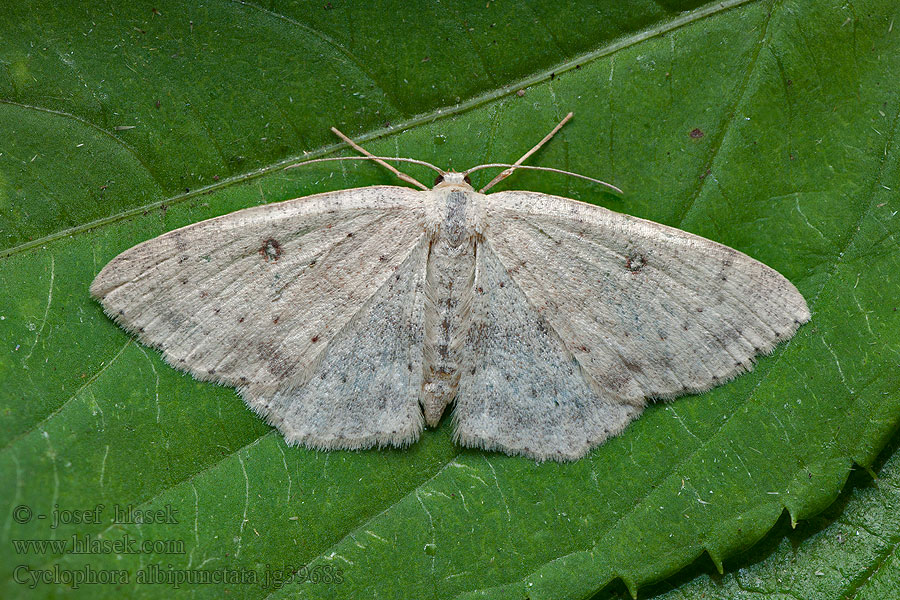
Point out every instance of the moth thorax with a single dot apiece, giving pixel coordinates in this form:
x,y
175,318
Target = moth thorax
x,y
455,217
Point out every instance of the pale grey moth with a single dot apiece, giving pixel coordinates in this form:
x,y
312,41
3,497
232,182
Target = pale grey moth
x,y
352,319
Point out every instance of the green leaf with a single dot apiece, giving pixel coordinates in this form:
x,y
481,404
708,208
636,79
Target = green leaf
x,y
769,126
848,551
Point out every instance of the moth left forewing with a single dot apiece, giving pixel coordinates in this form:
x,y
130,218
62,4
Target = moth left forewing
x,y
644,310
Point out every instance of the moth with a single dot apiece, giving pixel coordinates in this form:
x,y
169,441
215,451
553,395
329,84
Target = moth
x,y
354,318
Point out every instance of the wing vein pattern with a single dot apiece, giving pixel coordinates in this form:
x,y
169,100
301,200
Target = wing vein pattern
x,y
265,298
610,310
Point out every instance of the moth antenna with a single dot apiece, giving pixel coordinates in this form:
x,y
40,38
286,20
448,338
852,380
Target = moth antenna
x,y
550,169
371,156
525,156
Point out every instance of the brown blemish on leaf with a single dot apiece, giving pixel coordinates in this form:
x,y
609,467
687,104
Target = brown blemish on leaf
x,y
696,133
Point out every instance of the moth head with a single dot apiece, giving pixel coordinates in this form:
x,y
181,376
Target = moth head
x,y
453,178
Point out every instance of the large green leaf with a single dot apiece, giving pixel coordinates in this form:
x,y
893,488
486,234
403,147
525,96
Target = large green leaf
x,y
852,551
768,126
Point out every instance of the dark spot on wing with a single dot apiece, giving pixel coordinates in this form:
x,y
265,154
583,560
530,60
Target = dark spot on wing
x,y
635,262
633,366
275,362
616,382
271,250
